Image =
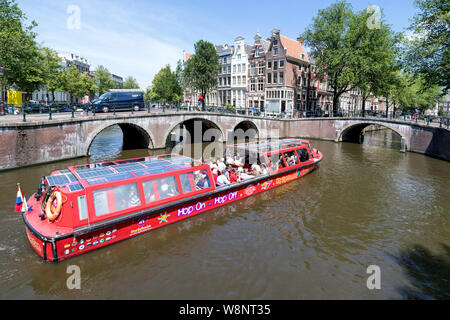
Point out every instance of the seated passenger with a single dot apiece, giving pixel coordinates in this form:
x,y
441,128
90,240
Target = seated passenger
x,y
233,177
244,175
256,169
133,199
265,169
221,164
222,180
166,190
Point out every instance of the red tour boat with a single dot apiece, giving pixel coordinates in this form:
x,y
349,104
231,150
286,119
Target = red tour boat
x,y
87,207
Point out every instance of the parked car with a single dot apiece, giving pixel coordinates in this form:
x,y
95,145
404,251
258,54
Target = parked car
x,y
119,100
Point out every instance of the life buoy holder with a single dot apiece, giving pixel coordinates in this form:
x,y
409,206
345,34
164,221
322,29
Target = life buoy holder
x,y
52,212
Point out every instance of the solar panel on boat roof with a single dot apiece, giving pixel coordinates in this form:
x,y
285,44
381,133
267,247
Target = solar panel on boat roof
x,y
75,187
57,180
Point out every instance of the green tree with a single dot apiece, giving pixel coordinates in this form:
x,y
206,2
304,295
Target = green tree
x,y
332,37
130,83
165,86
202,68
19,53
376,58
51,69
428,53
103,79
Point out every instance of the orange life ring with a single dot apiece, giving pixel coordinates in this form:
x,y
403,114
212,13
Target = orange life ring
x,y
51,211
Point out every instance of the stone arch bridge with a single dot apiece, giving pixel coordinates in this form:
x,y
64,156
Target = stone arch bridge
x,y
28,143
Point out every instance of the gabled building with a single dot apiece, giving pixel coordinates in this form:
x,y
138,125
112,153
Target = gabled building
x,y
286,63
256,75
225,53
239,71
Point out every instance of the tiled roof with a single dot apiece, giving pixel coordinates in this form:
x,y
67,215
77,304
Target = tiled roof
x,y
293,48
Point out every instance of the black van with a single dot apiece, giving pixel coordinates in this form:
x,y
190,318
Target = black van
x,y
119,100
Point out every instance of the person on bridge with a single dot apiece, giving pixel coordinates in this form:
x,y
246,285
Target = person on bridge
x,y
85,101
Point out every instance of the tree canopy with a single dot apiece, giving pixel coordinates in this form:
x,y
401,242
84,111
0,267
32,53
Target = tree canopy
x,y
165,86
202,68
428,49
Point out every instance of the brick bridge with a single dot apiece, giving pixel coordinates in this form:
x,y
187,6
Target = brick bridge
x,y
40,141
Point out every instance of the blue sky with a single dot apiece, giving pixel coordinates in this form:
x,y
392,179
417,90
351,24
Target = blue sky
x,y
137,38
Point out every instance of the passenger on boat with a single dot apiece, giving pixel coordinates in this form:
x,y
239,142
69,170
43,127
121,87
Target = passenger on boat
x,y
167,189
221,165
265,169
256,169
222,180
133,199
233,177
245,175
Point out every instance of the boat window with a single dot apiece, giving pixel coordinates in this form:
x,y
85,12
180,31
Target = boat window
x,y
115,199
82,208
276,161
201,179
303,155
187,182
167,187
149,191
291,158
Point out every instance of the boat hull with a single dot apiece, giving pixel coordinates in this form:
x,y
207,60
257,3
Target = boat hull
x,y
97,236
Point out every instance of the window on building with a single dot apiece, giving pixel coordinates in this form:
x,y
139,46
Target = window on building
x,y
275,42
275,64
260,84
269,78
275,51
281,78
281,63
239,68
252,85
252,69
257,52
275,76
261,68
269,64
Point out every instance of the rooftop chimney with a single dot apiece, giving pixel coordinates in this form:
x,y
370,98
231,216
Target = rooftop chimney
x,y
301,41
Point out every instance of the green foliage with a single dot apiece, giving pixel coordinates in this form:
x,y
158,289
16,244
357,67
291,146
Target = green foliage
x,y
202,68
19,53
351,54
130,83
165,86
414,93
103,79
428,50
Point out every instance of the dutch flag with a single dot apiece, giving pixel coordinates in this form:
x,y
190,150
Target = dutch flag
x,y
21,202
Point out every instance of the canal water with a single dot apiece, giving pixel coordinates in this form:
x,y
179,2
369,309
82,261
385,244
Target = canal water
x,y
314,238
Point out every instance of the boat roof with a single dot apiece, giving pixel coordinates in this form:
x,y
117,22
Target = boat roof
x,y
76,177
272,145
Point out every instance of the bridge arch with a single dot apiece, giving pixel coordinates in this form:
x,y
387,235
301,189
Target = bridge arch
x,y
210,130
352,132
134,136
245,130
